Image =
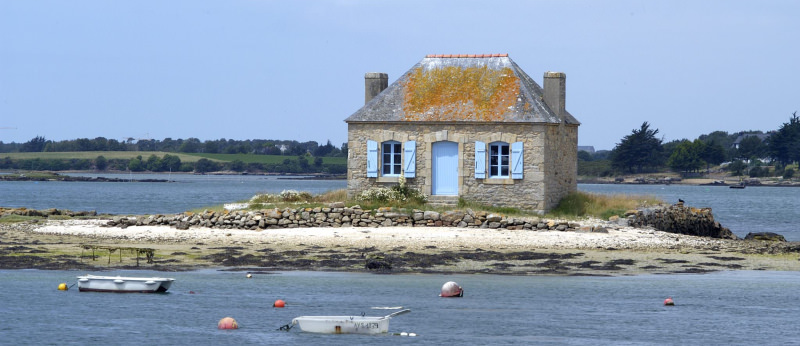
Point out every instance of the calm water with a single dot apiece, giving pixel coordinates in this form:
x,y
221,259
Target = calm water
x,y
187,192
723,308
740,307
754,209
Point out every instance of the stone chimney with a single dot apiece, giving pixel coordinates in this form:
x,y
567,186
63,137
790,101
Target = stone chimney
x,y
555,91
374,83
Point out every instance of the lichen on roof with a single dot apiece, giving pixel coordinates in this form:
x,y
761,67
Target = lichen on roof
x,y
462,88
454,93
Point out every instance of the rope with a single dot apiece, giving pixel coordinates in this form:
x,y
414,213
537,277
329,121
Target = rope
x,y
286,327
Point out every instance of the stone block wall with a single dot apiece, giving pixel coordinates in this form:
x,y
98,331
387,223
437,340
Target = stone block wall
x,y
549,158
560,164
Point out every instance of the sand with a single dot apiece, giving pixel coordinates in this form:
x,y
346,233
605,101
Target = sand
x,y
621,251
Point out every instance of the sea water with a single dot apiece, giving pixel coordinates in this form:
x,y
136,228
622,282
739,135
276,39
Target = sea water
x,y
754,209
723,308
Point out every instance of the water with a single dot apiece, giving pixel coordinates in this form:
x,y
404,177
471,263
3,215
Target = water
x,y
186,192
754,209
740,307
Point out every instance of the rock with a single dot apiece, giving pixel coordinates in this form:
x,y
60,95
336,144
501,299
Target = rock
x,y
682,219
431,215
494,218
765,236
453,216
374,264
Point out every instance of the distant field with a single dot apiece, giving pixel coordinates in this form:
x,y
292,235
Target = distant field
x,y
275,159
127,155
91,155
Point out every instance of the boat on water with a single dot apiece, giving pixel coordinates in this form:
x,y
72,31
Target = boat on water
x,y
738,186
346,324
123,284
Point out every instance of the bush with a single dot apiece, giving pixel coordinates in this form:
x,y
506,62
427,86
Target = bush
x,y
756,172
399,193
788,173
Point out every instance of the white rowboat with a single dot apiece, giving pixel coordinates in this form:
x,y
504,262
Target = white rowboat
x,y
122,284
346,324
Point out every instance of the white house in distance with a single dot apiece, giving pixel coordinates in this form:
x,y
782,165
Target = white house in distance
x,y
475,127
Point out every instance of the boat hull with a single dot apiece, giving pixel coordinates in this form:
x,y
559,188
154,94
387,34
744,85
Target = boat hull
x,y
120,284
342,324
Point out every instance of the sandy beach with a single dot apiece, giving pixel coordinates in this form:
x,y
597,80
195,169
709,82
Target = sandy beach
x,y
89,244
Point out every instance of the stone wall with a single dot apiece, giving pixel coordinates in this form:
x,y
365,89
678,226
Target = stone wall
x,y
561,163
549,158
338,216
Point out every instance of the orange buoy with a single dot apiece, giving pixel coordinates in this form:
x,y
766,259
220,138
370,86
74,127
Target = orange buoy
x,y
451,289
669,301
227,323
279,304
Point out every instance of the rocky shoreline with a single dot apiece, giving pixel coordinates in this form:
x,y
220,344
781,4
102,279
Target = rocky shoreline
x,y
584,247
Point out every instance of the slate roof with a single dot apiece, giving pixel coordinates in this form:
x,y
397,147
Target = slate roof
x,y
462,88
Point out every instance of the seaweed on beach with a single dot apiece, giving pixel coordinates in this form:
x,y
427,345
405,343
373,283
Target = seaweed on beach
x,y
723,258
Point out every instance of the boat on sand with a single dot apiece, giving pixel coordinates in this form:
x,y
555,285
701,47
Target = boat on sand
x,y
123,284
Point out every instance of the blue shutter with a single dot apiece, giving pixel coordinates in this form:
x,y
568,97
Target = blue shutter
x,y
516,160
372,159
480,160
409,159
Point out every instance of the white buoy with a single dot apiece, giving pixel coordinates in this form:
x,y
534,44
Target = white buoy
x,y
452,289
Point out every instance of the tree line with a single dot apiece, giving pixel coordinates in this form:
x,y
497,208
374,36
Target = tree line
x,y
189,146
746,153
301,157
171,163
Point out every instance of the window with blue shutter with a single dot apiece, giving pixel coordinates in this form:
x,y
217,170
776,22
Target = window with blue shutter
x,y
372,159
480,160
390,159
409,159
498,160
516,160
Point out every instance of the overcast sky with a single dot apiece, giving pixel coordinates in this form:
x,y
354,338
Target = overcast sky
x,y
258,69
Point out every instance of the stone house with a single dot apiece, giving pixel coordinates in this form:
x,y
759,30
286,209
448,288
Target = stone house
x,y
469,126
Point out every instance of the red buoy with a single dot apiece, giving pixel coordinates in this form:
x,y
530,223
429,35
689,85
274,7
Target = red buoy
x,y
227,323
669,301
279,304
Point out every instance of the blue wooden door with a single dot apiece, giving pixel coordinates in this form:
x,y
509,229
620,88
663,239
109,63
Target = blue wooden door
x,y
444,169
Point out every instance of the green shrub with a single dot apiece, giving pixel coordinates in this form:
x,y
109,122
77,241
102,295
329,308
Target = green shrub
x,y
397,194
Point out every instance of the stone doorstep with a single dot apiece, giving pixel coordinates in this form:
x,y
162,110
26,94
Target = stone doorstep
x,y
443,200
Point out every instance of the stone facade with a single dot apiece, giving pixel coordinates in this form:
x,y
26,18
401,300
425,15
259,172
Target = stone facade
x,y
467,100
546,177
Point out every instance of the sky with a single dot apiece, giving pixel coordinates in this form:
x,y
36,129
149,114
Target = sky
x,y
294,70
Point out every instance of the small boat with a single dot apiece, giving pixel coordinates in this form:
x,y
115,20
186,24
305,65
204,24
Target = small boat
x,y
737,186
123,284
346,324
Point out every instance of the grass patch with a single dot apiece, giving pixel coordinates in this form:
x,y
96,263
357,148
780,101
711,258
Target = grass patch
x,y
581,204
266,159
17,218
91,155
463,204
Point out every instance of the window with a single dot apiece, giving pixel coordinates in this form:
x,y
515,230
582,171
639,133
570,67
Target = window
x,y
392,160
498,160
